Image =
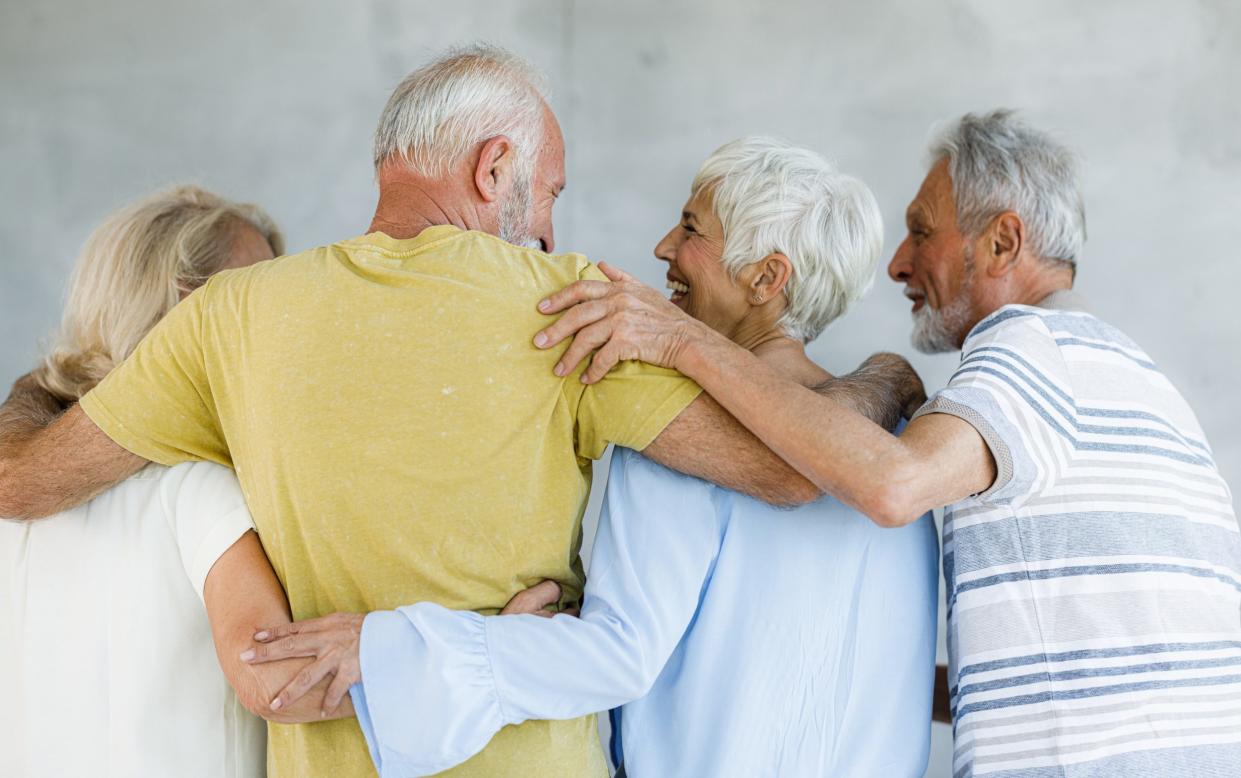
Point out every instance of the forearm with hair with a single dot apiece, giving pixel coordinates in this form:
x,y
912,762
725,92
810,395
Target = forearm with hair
x,y
882,389
48,465
706,442
28,409
820,434
879,391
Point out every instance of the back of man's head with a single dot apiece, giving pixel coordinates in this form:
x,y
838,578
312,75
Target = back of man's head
x,y
442,110
998,163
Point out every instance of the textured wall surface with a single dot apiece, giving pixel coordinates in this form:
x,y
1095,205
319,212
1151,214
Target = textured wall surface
x,y
274,102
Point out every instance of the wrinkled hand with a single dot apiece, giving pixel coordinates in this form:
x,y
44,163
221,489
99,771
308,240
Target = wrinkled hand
x,y
624,319
536,600
331,640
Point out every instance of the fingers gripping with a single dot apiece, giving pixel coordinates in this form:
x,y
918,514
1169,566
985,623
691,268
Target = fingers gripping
x,y
578,317
603,361
615,273
574,293
583,344
534,599
275,649
336,692
304,681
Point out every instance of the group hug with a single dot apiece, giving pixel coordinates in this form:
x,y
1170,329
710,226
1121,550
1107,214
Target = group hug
x,y
342,491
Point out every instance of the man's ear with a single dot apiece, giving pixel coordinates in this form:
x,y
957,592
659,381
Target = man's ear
x,y
1006,237
494,172
770,275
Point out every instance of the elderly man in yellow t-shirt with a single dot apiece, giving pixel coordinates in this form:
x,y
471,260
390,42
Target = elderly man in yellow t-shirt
x,y
397,435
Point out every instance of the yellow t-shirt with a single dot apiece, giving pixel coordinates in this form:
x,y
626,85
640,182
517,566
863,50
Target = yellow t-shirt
x,y
398,438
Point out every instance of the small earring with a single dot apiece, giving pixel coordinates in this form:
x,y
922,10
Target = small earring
x,y
758,298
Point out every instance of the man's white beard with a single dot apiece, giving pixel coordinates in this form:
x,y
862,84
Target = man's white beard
x,y
939,331
516,213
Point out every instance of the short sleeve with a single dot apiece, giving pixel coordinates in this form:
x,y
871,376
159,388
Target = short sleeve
x,y
207,514
158,402
631,405
1012,386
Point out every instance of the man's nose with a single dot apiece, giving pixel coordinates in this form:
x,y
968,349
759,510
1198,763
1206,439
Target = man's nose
x,y
901,266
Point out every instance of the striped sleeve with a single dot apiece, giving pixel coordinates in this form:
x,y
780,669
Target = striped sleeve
x,y
1013,387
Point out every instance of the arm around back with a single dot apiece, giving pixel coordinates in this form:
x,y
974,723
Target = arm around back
x,y
705,441
938,459
708,442
51,468
438,684
243,594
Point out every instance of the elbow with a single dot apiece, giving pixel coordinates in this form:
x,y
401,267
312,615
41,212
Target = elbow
x,y
260,705
638,662
801,493
253,698
792,491
889,506
253,692
639,676
260,708
890,498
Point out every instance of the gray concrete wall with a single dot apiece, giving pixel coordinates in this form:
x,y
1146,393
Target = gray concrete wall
x,y
274,102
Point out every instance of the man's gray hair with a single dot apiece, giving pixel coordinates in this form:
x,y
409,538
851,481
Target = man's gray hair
x,y
998,164
772,197
469,95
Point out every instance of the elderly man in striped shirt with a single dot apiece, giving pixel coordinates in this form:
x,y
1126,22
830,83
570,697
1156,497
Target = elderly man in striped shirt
x,y
1091,551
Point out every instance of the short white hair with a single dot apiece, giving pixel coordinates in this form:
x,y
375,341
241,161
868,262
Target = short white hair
x,y
773,197
469,95
997,164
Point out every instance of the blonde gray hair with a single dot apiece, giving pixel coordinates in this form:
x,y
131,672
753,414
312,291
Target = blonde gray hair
x,y
133,269
772,197
444,109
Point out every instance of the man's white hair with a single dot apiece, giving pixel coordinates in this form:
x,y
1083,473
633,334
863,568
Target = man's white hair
x,y
772,197
442,110
998,164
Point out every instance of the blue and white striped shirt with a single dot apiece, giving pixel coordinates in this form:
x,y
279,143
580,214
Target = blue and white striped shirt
x,y
1094,591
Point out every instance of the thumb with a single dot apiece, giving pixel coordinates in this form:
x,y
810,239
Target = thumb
x,y
614,273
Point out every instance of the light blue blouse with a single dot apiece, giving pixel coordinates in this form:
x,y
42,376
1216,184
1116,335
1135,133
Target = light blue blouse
x,y
741,639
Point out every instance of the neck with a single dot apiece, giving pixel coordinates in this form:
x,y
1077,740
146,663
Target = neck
x,y
758,327
788,355
1035,286
408,204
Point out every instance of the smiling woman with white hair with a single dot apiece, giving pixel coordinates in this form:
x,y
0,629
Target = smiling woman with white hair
x,y
741,639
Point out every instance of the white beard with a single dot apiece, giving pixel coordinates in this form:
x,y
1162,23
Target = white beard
x,y
516,213
941,331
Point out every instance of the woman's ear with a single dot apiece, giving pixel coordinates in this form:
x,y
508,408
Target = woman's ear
x,y
771,274
493,174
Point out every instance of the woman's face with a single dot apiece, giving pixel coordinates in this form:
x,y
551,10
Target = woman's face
x,y
700,285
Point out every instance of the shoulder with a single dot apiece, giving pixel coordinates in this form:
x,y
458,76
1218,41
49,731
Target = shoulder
x,y
273,271
560,268
1009,325
201,486
1020,339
